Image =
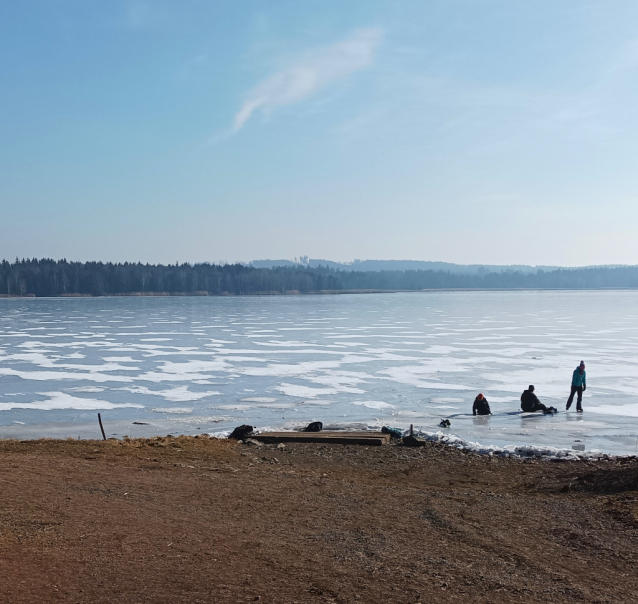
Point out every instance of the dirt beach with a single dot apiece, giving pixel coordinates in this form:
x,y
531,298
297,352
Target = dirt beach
x,y
203,520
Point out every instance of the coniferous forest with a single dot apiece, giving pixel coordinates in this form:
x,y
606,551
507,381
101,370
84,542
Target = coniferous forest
x,y
46,277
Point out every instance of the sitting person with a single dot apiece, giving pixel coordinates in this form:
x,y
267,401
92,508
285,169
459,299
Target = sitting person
x,y
481,406
530,402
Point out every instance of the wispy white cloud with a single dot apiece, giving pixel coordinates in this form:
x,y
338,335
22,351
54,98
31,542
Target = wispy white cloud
x,y
316,71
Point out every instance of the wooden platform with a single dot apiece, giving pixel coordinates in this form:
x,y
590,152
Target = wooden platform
x,y
373,439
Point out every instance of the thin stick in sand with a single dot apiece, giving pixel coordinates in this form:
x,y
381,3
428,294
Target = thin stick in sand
x,y
99,419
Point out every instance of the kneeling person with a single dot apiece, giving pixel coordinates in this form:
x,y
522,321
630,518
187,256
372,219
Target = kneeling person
x,y
530,402
481,406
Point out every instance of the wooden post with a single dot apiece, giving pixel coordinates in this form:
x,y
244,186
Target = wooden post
x,y
99,419
411,429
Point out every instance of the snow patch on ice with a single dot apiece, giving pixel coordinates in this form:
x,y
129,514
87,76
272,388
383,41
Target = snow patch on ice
x,y
374,404
87,389
48,376
179,394
62,400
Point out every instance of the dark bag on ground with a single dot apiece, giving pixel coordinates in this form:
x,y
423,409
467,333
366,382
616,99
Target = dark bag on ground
x,y
241,432
393,432
314,427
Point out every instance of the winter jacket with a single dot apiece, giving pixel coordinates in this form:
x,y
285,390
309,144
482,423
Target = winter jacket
x,y
481,407
530,402
578,379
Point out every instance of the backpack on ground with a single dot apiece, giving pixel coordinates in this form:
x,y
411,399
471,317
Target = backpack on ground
x,y
314,427
241,432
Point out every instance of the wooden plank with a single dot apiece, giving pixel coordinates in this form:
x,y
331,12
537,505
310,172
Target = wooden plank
x,y
333,438
331,434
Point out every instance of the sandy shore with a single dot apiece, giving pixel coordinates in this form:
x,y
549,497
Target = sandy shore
x,y
202,520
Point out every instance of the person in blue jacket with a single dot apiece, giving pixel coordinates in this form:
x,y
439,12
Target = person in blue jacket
x,y
579,384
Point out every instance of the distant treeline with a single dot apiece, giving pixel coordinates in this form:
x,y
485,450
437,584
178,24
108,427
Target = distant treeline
x,y
58,278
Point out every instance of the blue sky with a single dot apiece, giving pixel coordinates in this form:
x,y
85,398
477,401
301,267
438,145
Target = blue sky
x,y
470,131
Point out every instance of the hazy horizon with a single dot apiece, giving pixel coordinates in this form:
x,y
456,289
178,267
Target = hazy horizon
x,y
468,132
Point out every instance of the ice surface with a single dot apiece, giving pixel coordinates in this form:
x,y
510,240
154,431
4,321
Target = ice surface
x,y
258,399
627,410
304,391
390,359
87,389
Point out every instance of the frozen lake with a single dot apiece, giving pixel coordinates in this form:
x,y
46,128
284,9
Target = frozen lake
x,y
192,365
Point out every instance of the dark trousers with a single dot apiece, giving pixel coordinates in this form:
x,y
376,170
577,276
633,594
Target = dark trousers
x,y
533,407
579,400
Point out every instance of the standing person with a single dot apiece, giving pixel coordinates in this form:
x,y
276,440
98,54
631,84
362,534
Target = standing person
x,y
530,402
579,384
481,406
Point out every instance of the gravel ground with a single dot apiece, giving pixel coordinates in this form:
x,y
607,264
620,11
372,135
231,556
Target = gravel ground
x,y
203,520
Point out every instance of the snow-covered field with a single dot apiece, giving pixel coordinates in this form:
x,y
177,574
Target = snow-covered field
x,y
193,365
